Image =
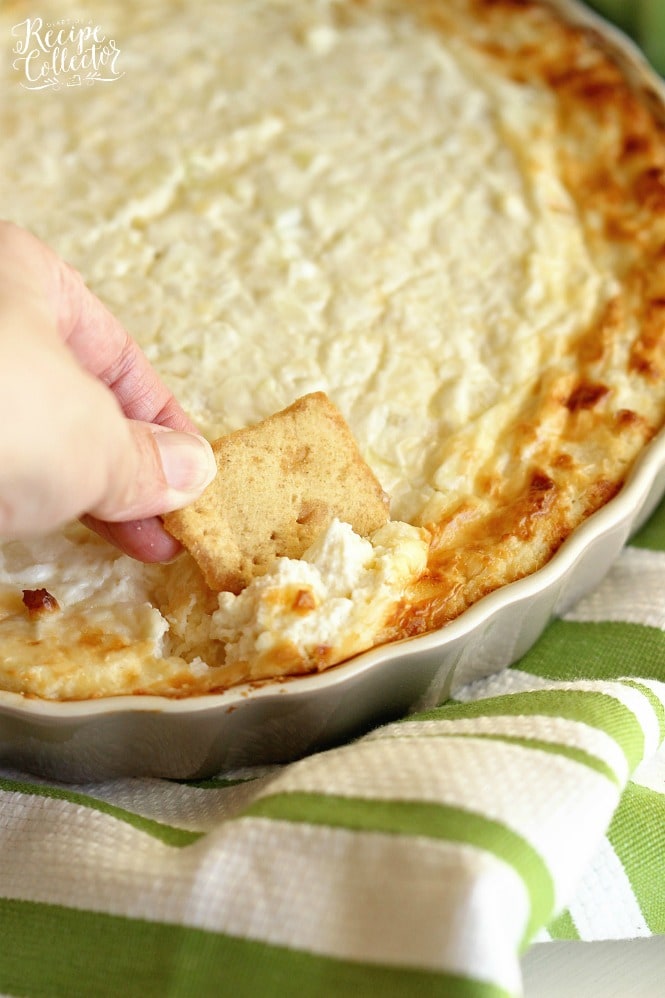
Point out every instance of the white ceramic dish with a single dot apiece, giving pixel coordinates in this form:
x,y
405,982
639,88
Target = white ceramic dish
x,y
279,721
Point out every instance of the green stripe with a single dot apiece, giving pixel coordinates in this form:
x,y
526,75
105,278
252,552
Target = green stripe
x,y
650,31
656,703
619,11
536,744
652,534
599,710
637,834
567,751
214,783
44,949
434,821
165,833
563,927
644,20
570,650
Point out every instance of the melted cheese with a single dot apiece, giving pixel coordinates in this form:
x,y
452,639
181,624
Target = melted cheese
x,y
339,594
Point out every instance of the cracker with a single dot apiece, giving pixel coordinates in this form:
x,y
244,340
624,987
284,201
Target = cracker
x,y
279,484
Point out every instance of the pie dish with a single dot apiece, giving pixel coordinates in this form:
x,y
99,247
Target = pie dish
x,y
273,722
518,478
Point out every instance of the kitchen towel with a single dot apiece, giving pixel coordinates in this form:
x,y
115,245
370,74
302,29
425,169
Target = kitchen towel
x,y
423,858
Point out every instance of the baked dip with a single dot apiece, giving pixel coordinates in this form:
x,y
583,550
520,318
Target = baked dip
x,y
449,217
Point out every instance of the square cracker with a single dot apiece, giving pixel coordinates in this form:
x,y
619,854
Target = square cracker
x,y
279,484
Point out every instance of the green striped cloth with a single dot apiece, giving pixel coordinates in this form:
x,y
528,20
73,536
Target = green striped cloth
x,y
644,20
422,859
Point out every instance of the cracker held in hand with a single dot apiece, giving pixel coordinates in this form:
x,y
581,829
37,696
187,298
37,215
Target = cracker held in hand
x,y
278,485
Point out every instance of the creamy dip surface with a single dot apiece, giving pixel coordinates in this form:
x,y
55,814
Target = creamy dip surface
x,y
278,198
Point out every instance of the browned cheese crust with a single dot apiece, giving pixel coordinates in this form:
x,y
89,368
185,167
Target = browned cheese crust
x,y
580,444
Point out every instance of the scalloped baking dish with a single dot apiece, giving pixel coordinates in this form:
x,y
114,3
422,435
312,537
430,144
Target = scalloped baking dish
x,y
278,721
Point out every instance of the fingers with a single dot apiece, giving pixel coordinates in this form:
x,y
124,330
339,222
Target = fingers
x,y
96,338
146,540
158,470
69,450
116,472
187,467
105,478
184,466
107,351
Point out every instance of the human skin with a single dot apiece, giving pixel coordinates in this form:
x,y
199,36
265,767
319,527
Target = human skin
x,y
87,428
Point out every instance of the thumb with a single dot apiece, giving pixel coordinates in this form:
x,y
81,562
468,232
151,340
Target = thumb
x,y
157,470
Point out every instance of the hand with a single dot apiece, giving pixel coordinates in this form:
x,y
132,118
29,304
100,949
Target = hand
x,y
87,429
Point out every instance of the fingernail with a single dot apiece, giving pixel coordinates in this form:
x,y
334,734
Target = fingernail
x,y
187,459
